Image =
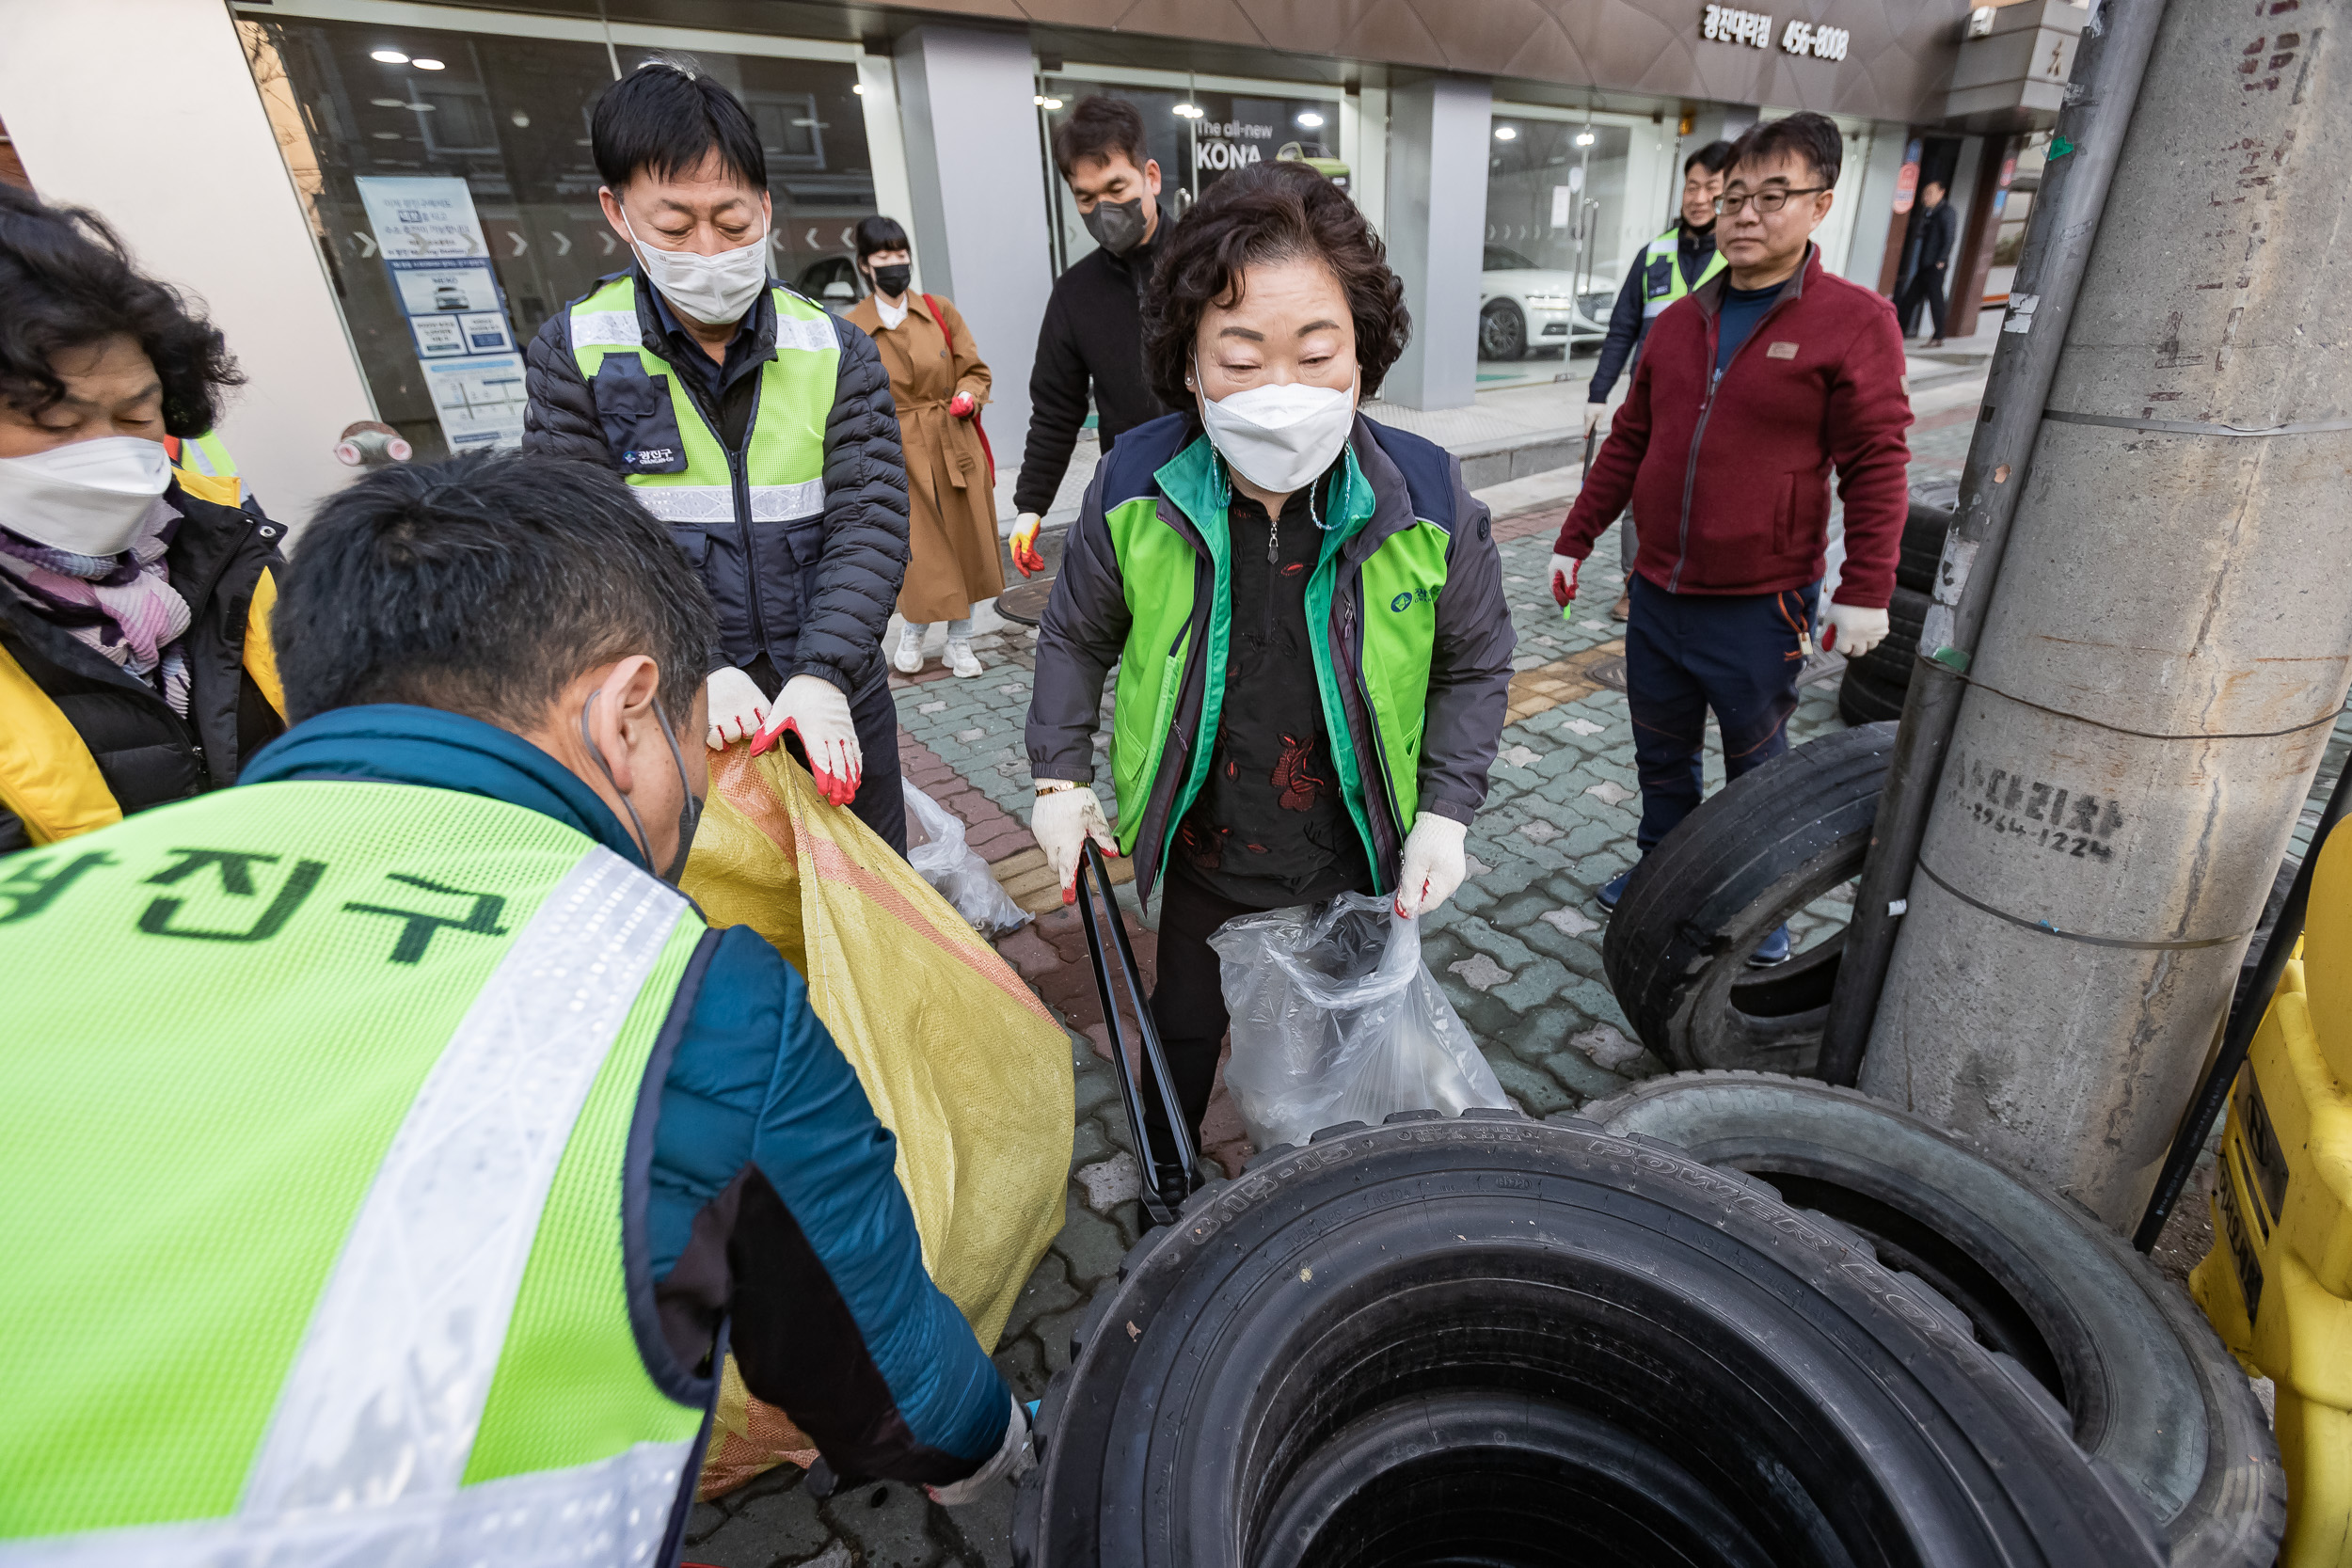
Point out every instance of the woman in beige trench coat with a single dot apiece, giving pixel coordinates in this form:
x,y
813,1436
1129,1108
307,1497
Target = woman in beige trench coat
x,y
939,383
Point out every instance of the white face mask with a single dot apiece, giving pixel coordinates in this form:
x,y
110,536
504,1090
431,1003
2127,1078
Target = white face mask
x,y
714,289
1279,438
87,497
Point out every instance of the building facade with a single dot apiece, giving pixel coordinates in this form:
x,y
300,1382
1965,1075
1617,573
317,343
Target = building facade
x,y
380,201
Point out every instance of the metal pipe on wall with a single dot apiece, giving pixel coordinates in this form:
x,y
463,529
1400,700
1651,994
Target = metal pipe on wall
x,y
2171,639
2059,233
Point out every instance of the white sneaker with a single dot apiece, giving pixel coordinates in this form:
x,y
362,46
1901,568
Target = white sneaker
x,y
962,660
908,656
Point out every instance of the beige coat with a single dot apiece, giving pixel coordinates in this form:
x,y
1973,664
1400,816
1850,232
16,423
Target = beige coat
x,y
951,504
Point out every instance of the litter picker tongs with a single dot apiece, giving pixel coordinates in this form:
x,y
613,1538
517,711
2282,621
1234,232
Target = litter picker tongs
x,y
1170,1178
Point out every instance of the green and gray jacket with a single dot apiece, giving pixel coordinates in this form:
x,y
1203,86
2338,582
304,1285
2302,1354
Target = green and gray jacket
x,y
1412,638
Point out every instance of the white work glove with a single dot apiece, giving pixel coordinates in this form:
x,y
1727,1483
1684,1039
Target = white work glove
x,y
1434,864
1563,576
1014,1458
1062,822
1853,630
1593,412
814,708
1025,551
737,708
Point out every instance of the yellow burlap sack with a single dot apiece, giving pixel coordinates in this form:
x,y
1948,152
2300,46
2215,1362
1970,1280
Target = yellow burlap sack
x,y
961,1059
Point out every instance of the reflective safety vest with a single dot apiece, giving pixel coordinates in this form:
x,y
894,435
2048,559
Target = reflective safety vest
x,y
1400,584
202,465
48,775
1663,282
683,472
319,1104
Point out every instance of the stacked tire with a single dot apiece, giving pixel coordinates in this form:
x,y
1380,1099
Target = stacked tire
x,y
1486,1339
1875,684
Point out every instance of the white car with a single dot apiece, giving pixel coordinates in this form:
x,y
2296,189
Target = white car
x,y
1522,307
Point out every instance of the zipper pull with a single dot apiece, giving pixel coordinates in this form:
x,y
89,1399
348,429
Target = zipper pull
x,y
1273,541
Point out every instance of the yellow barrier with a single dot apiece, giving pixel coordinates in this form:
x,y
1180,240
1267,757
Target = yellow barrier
x,y
2278,1284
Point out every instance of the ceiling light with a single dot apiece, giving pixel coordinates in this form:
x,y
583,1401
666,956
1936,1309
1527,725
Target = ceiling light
x,y
1584,138
858,88
390,103
1044,101
1190,111
1504,133
428,65
388,136
522,120
389,56
1311,120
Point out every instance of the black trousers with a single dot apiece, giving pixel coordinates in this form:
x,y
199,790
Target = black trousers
x,y
881,803
1926,287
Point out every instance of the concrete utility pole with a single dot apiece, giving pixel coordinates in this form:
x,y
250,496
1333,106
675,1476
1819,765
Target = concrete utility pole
x,y
2170,638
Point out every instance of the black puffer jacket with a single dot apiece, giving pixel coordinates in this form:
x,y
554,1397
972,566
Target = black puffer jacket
x,y
146,753
824,614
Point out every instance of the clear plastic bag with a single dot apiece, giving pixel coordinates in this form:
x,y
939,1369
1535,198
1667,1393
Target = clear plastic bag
x,y
1336,1019
935,848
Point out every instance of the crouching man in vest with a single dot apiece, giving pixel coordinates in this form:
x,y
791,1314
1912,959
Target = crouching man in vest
x,y
393,1150
757,426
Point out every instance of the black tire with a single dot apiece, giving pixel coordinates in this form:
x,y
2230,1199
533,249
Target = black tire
x,y
2151,1388
1496,1341
1932,505
1888,664
1758,850
1864,699
1502,331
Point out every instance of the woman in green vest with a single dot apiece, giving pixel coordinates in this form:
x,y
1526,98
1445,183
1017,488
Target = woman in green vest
x,y
1305,608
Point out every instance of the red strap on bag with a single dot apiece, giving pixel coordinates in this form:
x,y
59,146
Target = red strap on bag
x,y
978,429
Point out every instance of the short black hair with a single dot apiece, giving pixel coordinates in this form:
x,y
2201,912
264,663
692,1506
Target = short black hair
x,y
665,119
1269,212
483,586
1714,158
878,233
67,283
1806,134
1098,130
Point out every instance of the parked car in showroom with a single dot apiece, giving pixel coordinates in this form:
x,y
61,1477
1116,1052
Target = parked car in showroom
x,y
1522,307
831,281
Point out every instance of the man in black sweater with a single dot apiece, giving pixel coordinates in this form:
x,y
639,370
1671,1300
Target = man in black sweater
x,y
1094,328
1934,227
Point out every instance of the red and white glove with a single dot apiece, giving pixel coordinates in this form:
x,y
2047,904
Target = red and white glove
x,y
1853,630
1563,579
963,405
814,708
1434,866
1025,550
1062,821
737,708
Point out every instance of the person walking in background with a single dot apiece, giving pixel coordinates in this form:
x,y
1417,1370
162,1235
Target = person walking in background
x,y
758,426
1750,393
1665,270
136,665
1092,333
1933,230
1238,560
939,383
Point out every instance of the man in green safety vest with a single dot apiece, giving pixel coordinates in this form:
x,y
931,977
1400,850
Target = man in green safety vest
x,y
393,1150
754,422
1665,270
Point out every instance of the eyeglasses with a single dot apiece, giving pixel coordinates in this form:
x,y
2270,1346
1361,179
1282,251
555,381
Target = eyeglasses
x,y
1770,201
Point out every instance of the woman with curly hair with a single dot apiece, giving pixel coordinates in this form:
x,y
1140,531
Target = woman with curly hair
x,y
135,657
1305,607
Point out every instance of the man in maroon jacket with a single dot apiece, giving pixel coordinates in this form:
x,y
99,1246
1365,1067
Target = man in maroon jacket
x,y
1749,392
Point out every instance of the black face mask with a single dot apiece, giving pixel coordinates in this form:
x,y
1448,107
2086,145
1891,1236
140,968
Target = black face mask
x,y
689,814
892,281
1116,226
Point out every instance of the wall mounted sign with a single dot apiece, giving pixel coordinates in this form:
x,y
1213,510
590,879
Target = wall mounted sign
x,y
1723,25
431,242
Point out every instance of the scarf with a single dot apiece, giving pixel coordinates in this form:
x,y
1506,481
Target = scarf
x,y
122,606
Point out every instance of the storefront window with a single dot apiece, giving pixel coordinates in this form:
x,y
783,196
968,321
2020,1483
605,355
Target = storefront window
x,y
1198,135
452,187
1569,201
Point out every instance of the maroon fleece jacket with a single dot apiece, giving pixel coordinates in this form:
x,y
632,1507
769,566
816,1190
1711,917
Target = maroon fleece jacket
x,y
1730,479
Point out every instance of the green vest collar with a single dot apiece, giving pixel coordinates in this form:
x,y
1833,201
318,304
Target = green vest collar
x,y
1195,482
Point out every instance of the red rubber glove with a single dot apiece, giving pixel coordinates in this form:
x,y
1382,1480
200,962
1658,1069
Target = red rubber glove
x,y
963,405
1563,579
